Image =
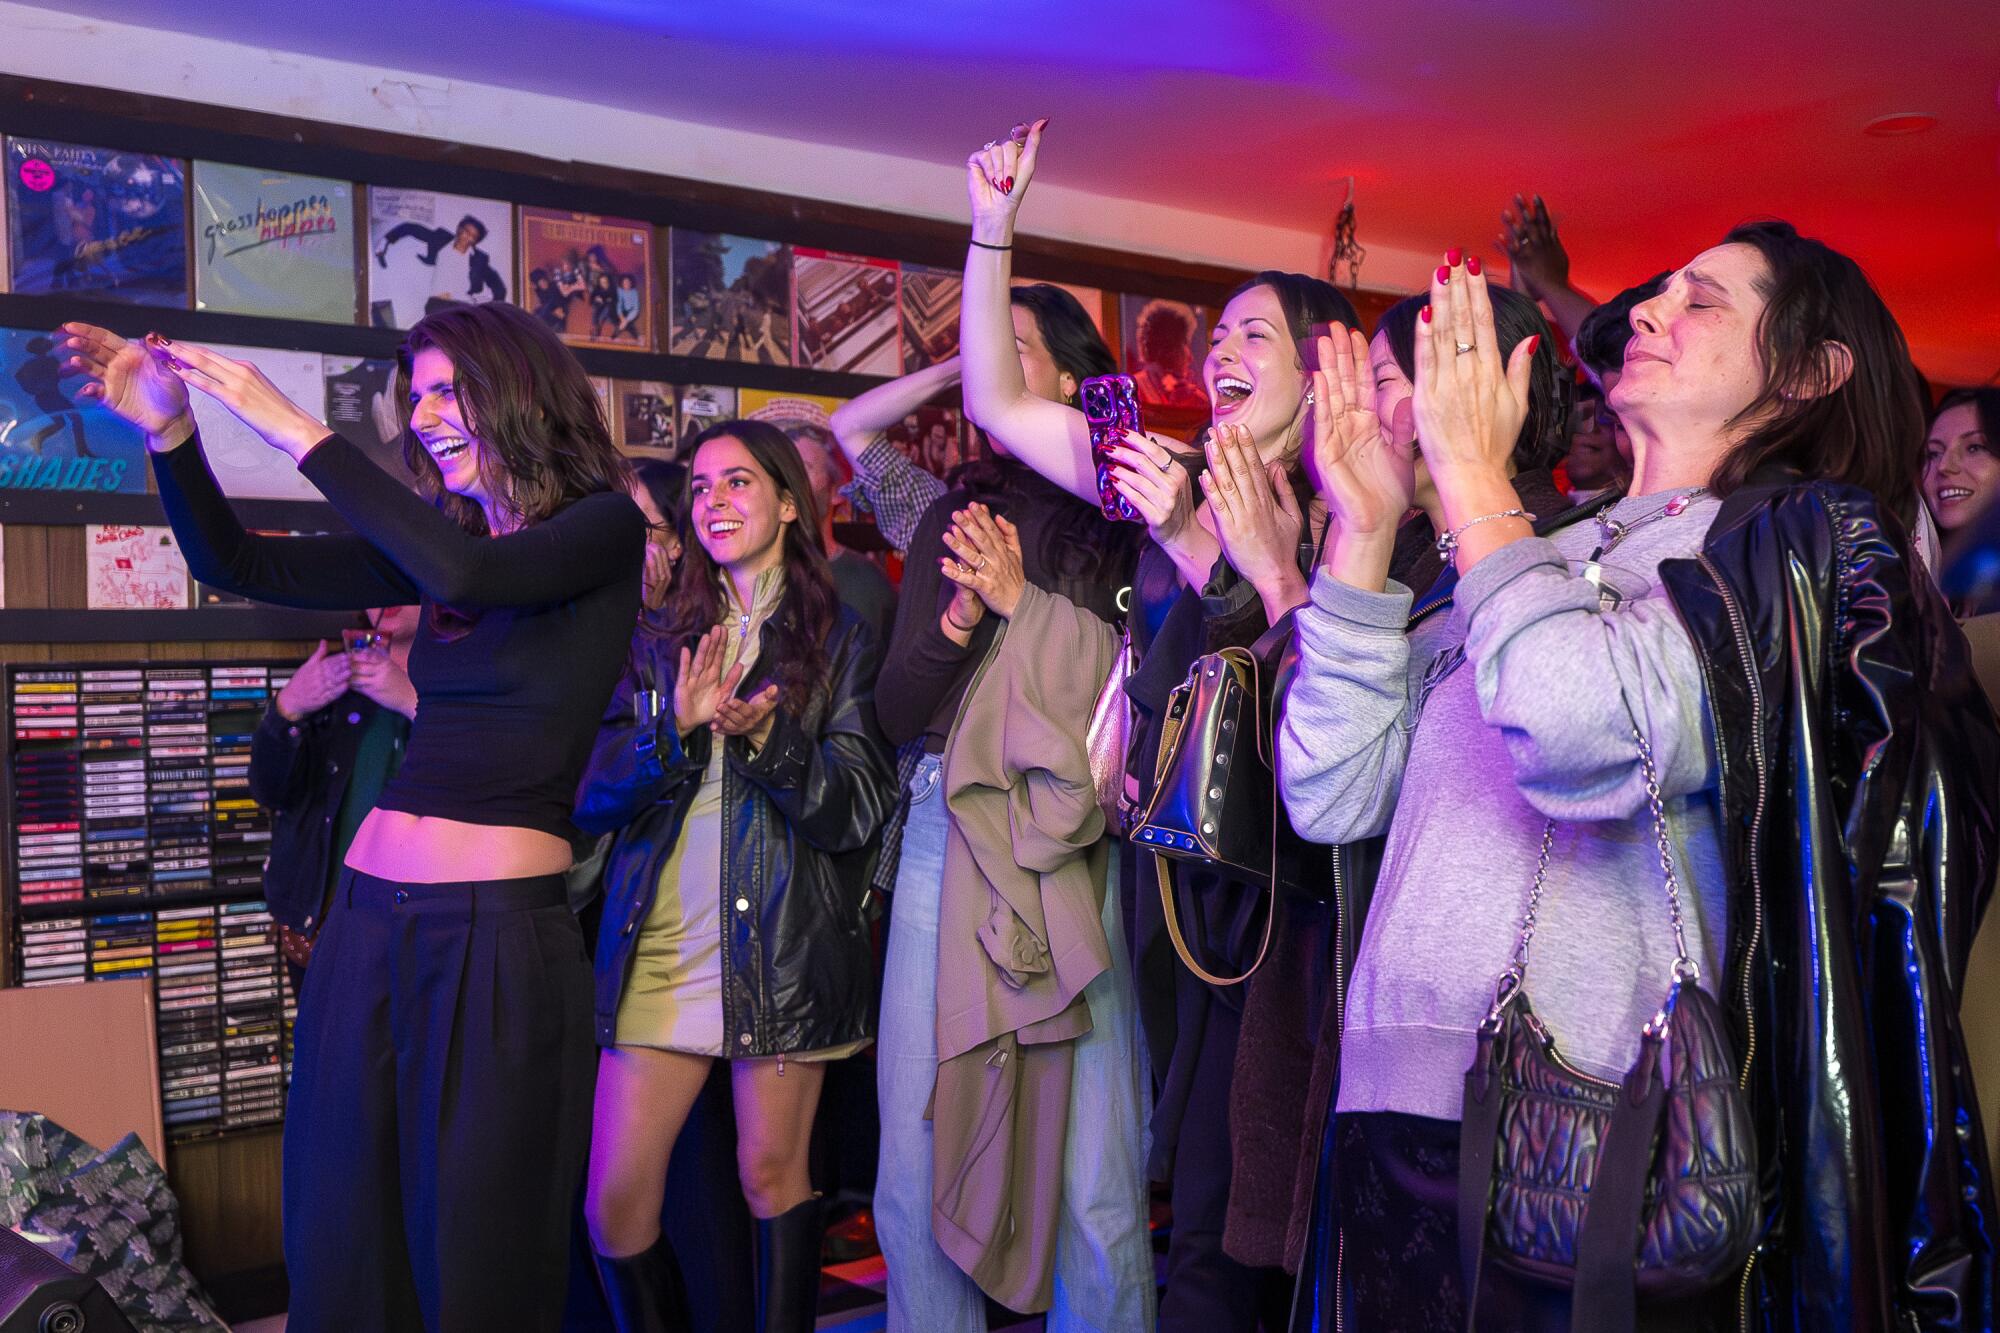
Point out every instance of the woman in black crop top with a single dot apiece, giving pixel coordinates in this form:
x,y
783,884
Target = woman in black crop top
x,y
439,1112
735,889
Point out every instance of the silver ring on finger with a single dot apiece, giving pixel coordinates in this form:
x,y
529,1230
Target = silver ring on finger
x,y
1463,348
980,568
992,143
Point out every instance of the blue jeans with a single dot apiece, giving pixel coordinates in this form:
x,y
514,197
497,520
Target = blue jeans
x,y
1104,1259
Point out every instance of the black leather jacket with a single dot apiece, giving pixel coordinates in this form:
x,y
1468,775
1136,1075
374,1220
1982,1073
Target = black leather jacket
x,y
1860,765
801,817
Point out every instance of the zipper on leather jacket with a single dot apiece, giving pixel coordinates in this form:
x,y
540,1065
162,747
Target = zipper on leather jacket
x,y
1742,632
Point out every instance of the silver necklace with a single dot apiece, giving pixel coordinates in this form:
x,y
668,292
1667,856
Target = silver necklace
x,y
1610,531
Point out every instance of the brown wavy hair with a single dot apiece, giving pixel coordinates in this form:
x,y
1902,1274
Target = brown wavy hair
x,y
792,644
530,403
1867,430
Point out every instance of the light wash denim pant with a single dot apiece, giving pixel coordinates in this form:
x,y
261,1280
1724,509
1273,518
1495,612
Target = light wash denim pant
x,y
1104,1257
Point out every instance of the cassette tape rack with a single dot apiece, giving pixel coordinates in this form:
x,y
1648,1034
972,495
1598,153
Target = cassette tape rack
x,y
135,849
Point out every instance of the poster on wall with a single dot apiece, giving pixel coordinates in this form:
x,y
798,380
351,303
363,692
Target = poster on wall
x,y
273,243
643,425
1164,343
245,466
845,312
133,567
702,406
426,250
588,278
95,222
49,439
731,298
364,404
930,315
932,437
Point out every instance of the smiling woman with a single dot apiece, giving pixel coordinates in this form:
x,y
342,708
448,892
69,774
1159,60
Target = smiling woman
x,y
439,1102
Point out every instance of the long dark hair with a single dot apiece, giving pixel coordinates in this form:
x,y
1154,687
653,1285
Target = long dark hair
x,y
1866,430
1601,338
792,649
531,405
1310,304
1071,336
1544,435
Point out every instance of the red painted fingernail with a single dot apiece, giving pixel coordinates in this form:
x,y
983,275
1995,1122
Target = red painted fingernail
x,y
1451,258
1534,342
1007,186
1472,265
1425,314
1443,274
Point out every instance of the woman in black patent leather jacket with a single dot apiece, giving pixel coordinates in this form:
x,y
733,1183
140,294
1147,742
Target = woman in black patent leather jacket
x,y
743,778
1859,768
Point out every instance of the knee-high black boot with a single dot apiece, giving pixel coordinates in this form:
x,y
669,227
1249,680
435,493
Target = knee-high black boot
x,y
645,1290
788,1269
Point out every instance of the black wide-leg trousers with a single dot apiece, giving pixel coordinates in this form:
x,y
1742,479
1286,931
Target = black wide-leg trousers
x,y
439,1117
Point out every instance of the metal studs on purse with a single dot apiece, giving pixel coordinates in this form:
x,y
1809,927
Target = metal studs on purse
x,y
1609,1189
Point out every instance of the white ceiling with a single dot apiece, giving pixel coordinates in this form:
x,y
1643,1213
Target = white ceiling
x,y
1650,128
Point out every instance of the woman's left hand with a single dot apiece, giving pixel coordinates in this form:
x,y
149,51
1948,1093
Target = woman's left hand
x,y
749,718
249,395
1257,515
1469,406
988,548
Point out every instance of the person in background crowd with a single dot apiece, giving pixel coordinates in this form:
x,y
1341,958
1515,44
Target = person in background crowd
x,y
1539,264
1594,463
1193,592
1602,337
1775,412
330,741
1961,471
735,921
438,1116
861,584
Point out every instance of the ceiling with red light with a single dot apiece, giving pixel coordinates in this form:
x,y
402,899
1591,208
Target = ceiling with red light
x,y
1650,129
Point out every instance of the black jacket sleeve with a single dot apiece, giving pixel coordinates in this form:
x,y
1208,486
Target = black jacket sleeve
x,y
633,767
341,573
922,665
837,787
597,540
281,759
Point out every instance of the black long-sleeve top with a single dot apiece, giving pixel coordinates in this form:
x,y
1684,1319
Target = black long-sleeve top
x,y
925,674
507,709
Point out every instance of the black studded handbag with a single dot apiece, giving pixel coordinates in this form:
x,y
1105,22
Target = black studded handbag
x,y
1215,790
1615,1190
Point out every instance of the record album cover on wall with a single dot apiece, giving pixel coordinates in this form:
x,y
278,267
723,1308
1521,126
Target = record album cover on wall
x,y
731,298
427,249
844,312
588,278
643,423
364,403
1164,343
245,466
95,222
51,441
273,243
930,315
702,406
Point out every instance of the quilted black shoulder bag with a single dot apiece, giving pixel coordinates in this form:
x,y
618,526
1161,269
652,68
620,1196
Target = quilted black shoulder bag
x,y
1613,1190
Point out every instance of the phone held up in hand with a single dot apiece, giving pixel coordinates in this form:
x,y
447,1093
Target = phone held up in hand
x,y
1111,406
354,641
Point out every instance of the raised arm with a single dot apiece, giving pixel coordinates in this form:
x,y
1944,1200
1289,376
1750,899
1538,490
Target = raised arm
x,y
897,490
1049,437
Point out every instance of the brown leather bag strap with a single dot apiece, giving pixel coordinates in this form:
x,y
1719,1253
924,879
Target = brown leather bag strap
x,y
1166,875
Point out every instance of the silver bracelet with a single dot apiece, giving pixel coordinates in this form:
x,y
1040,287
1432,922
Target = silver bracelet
x,y
1448,542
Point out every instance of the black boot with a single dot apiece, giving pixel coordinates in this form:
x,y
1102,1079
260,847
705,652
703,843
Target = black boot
x,y
645,1290
788,1269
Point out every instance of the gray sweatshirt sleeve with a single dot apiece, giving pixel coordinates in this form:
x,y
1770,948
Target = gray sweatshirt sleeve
x,y
1344,731
1565,682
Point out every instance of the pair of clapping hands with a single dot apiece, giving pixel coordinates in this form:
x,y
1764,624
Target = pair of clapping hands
x,y
325,676
705,694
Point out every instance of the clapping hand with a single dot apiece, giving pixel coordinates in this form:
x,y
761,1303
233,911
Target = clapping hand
x,y
750,718
1366,476
988,551
319,680
1257,517
701,685
1469,406
130,378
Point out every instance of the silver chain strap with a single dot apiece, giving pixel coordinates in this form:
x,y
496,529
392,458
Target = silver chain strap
x,y
1685,968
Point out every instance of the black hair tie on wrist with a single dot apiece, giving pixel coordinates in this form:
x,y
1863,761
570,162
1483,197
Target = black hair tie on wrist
x,y
984,246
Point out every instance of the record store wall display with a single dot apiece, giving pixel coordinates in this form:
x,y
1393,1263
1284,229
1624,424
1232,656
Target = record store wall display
x,y
427,250
103,223
50,440
273,243
135,849
589,278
